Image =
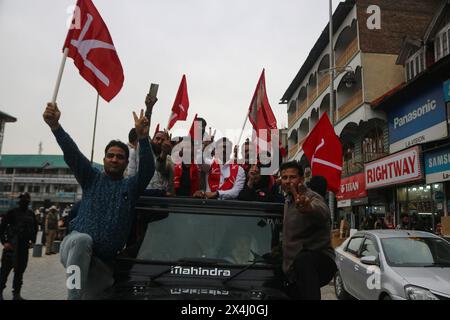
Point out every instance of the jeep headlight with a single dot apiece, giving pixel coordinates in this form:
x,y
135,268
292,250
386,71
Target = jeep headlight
x,y
416,293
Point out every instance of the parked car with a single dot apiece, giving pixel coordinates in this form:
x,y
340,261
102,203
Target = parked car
x,y
202,249
393,264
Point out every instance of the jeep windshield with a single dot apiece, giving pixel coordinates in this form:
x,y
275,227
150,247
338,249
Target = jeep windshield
x,y
228,235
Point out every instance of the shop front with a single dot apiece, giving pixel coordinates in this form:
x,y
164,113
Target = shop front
x,y
352,200
437,175
388,181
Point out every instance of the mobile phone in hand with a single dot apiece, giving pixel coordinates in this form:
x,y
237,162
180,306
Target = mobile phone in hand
x,y
153,90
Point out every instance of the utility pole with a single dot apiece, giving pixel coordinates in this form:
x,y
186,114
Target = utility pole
x,y
332,106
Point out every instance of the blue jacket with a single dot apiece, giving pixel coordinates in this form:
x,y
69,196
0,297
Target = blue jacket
x,y
106,208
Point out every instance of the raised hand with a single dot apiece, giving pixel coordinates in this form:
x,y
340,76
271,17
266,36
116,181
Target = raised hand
x,y
141,124
51,115
150,102
299,196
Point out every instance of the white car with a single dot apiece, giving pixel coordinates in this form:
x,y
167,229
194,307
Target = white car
x,y
393,264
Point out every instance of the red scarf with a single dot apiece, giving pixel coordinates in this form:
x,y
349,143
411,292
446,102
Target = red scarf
x,y
214,177
194,175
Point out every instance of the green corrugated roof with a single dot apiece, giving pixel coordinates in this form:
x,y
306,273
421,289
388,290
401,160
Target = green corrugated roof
x,y
35,161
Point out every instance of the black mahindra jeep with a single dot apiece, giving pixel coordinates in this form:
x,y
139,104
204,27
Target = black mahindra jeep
x,y
183,248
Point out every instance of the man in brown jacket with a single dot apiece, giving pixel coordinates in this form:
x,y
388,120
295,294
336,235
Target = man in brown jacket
x,y
308,258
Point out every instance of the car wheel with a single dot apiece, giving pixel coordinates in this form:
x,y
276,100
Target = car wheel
x,y
339,289
386,297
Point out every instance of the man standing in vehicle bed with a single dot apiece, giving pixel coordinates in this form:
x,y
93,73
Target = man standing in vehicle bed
x,y
308,258
105,213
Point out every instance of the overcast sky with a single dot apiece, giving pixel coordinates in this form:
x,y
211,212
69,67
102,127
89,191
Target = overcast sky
x,y
221,45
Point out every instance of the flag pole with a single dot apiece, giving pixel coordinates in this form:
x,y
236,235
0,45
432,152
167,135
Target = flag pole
x,y
60,73
95,127
243,127
332,105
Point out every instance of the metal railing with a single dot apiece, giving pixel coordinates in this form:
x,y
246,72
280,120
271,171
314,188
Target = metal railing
x,y
348,53
351,104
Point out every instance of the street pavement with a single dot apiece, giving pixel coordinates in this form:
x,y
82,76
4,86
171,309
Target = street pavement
x,y
45,279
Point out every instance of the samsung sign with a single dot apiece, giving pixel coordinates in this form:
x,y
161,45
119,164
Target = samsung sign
x,y
420,120
437,166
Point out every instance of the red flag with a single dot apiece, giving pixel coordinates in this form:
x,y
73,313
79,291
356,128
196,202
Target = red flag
x,y
324,151
93,51
261,115
191,131
180,106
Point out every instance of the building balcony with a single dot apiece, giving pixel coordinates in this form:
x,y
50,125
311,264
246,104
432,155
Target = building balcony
x,y
347,55
301,109
352,103
292,117
372,156
353,166
312,96
292,151
324,83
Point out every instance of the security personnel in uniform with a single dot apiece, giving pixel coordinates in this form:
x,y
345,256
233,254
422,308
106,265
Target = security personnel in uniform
x,y
18,230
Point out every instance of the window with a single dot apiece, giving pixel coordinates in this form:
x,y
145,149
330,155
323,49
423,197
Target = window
x,y
47,189
353,245
442,43
445,44
415,64
369,249
36,189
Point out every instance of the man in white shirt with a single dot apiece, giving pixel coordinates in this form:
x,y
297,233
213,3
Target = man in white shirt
x,y
224,179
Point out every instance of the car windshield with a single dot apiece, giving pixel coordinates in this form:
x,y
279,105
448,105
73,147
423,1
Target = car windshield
x,y
228,239
416,252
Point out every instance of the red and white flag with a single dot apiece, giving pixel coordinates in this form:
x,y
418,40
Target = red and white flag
x,y
323,149
261,115
92,49
193,128
180,106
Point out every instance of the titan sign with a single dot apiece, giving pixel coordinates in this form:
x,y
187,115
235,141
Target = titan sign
x,y
421,119
395,169
353,187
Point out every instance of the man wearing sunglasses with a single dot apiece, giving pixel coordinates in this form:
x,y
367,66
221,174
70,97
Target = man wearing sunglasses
x,y
105,214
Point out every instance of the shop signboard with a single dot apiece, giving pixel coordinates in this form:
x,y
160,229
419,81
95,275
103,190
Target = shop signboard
x,y
437,165
422,118
397,168
352,187
447,90
344,203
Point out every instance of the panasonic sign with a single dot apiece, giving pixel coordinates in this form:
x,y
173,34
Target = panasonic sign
x,y
420,118
421,111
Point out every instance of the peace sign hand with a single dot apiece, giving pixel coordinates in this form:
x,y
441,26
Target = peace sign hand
x,y
141,124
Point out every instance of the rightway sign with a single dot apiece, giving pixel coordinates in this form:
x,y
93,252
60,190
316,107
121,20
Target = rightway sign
x,y
437,166
421,119
397,168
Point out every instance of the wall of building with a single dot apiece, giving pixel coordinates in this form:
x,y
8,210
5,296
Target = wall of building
x,y
380,74
398,19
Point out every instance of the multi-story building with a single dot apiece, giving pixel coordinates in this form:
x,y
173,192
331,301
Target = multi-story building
x,y
418,116
45,177
365,56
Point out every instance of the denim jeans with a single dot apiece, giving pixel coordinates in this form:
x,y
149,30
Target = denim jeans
x,y
95,277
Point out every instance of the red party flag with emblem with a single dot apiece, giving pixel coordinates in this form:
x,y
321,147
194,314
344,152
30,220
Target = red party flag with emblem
x,y
323,149
181,104
91,47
